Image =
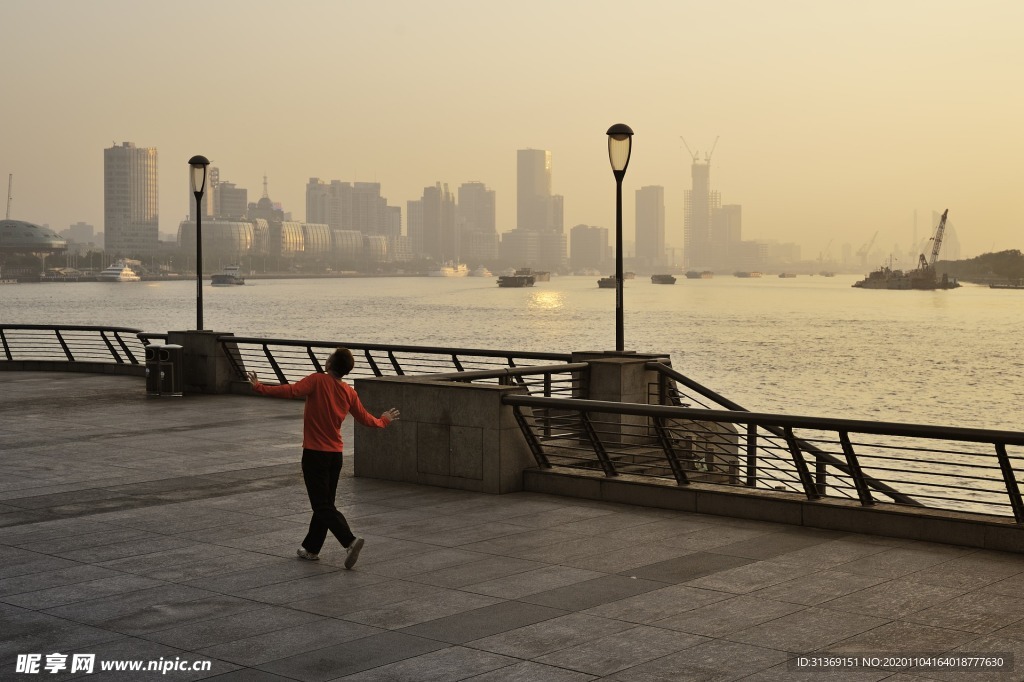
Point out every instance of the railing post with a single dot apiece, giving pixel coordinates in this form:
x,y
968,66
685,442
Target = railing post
x,y
67,351
1010,480
395,364
372,363
599,450
7,349
670,453
801,466
531,438
751,455
111,349
281,378
124,348
314,359
863,491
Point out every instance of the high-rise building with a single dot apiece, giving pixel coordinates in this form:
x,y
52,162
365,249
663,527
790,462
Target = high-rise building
x,y
131,208
476,222
588,247
352,206
650,226
437,235
699,203
536,207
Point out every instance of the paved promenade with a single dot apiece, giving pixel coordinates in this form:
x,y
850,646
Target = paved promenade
x,y
165,530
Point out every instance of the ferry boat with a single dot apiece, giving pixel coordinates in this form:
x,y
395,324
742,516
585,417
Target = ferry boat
x,y
786,275
450,269
515,281
606,282
746,274
663,279
480,271
118,272
230,276
703,274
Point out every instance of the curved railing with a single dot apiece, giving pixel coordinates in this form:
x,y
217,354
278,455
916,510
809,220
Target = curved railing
x,y
83,347
939,468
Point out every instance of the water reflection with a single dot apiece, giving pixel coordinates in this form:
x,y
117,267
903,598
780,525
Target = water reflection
x,y
547,300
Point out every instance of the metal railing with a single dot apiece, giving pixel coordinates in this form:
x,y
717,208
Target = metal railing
x,y
289,360
71,343
942,468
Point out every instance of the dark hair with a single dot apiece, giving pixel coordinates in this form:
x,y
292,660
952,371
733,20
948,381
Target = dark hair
x,y
341,362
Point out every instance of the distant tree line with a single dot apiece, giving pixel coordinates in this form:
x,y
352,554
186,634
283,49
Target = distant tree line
x,y
988,267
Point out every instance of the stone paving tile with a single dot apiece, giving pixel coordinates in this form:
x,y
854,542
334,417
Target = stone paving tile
x,y
786,673
818,588
749,578
84,540
211,566
609,655
85,590
625,557
485,570
974,612
128,548
320,585
829,554
893,599
546,636
287,642
589,593
688,567
529,671
443,665
728,616
708,661
483,622
351,657
133,649
988,646
38,564
519,585
901,637
901,561
419,610
242,625
776,544
806,630
972,571
154,600
25,631
344,600
55,578
658,604
404,567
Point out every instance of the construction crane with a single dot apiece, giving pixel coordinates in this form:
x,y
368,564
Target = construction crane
x,y
936,243
863,251
696,155
10,181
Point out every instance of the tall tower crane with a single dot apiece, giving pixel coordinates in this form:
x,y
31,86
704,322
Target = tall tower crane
x,y
696,155
936,243
863,251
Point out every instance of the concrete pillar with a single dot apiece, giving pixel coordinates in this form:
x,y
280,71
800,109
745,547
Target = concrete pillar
x,y
207,367
621,378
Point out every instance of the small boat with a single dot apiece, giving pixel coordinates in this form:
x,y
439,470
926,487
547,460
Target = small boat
x,y
827,273
118,272
1019,285
663,279
786,275
629,275
606,282
746,274
515,281
703,274
480,271
230,276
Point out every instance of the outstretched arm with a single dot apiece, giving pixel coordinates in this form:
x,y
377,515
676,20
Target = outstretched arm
x,y
296,390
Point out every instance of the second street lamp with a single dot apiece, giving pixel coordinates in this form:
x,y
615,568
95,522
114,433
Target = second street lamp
x,y
197,173
620,143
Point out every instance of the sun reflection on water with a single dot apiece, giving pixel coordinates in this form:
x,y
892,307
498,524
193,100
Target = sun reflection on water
x,y
547,300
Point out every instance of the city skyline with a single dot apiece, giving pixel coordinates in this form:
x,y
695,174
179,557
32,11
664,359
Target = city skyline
x,y
833,122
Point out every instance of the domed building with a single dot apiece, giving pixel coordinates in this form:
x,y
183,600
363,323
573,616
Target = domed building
x,y
18,236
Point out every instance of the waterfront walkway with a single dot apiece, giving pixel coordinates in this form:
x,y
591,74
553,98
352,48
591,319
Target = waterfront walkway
x,y
148,529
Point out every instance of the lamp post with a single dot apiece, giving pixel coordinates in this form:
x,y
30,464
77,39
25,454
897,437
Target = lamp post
x,y
197,165
620,142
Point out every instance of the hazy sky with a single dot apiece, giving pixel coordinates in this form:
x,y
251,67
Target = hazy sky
x,y
836,119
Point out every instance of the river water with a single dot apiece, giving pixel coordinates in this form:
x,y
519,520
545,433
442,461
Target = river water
x,y
810,345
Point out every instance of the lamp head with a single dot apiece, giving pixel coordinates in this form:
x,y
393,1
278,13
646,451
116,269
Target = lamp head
x,y
197,171
620,142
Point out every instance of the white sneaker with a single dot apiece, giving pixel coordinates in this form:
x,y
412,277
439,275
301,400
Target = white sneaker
x,y
308,556
353,552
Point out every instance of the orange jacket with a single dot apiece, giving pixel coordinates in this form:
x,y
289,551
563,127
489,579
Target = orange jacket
x,y
328,402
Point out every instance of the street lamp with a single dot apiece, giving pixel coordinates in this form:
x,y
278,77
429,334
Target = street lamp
x,y
197,165
620,142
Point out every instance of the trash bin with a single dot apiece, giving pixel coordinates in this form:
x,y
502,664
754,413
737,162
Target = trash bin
x,y
153,369
165,369
172,364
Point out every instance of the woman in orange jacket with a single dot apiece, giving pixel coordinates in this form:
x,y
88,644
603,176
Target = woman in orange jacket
x,y
328,401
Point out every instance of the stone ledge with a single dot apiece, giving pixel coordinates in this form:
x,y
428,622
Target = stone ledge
x,y
890,520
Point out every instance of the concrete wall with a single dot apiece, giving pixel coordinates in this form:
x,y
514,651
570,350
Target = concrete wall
x,y
450,434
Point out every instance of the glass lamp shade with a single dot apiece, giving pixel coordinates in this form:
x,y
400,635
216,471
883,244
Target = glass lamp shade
x,y
620,141
197,171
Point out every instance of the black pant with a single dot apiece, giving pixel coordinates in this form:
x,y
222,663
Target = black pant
x,y
320,471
